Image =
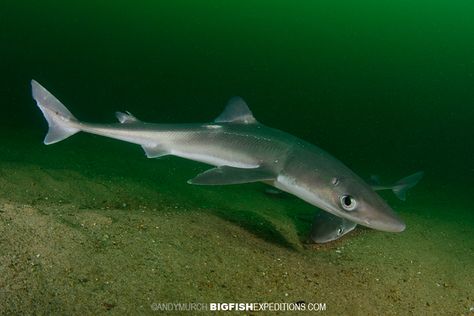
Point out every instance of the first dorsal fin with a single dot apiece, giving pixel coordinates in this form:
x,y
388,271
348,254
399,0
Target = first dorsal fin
x,y
126,117
236,111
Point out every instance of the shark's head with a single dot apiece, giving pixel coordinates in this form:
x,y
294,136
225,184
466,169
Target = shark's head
x,y
351,198
327,227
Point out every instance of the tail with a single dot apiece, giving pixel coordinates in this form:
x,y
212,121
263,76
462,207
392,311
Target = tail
x,y
62,123
401,187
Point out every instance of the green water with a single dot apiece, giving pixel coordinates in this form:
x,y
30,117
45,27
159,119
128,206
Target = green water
x,y
389,84
385,86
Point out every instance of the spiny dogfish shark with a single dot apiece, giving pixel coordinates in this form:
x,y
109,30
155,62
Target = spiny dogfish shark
x,y
242,151
327,227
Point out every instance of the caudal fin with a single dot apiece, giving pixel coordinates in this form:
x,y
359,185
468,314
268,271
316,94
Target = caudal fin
x,y
62,123
402,186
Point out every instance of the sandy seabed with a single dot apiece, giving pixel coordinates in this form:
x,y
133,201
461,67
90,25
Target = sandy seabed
x,y
91,227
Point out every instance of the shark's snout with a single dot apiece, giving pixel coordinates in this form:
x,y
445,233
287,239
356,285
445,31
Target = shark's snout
x,y
394,225
385,219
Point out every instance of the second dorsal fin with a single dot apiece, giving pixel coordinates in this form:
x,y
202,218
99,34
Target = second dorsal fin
x,y
126,117
236,111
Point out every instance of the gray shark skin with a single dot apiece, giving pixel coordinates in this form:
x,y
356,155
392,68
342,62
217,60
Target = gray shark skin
x,y
327,227
243,150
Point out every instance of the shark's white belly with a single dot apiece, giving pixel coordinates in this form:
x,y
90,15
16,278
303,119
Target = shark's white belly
x,y
208,158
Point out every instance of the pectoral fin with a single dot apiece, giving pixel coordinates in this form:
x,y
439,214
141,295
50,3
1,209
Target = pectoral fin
x,y
401,187
231,175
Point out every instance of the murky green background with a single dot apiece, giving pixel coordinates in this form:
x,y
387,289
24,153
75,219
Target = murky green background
x,y
385,86
380,84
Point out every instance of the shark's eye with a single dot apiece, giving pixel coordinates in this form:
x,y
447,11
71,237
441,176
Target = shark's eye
x,y
348,202
340,231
